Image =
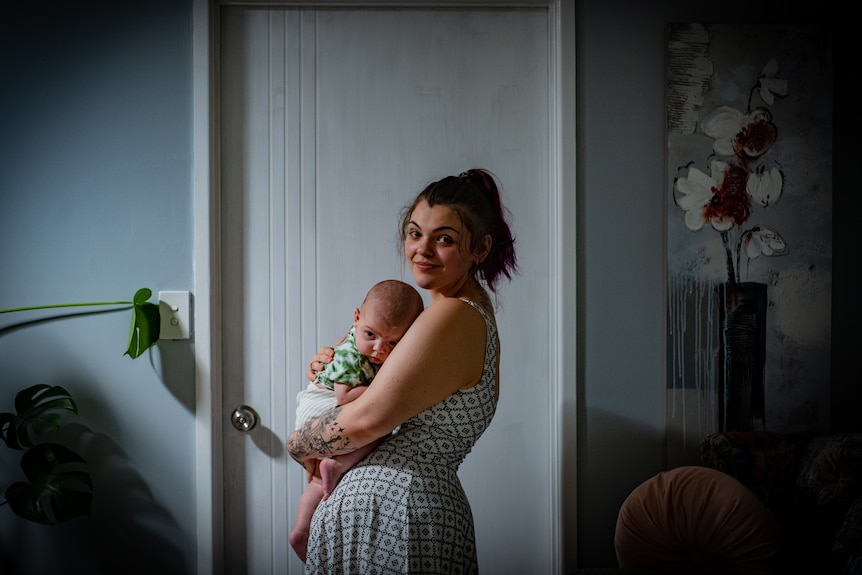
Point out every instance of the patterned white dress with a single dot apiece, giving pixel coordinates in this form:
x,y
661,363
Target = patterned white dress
x,y
402,509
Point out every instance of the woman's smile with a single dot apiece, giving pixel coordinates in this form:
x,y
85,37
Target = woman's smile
x,y
422,265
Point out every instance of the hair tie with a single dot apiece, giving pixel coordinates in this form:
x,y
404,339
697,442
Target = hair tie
x,y
475,177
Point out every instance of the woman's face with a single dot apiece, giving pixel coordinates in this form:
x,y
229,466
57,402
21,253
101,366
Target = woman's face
x,y
437,248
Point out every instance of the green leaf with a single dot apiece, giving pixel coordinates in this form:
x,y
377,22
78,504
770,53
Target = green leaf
x,y
6,420
40,408
146,324
53,495
142,295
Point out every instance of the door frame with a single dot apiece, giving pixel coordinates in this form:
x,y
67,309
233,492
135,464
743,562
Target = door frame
x,y
206,190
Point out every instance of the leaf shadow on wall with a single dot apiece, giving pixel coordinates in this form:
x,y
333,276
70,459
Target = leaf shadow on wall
x,y
127,532
131,531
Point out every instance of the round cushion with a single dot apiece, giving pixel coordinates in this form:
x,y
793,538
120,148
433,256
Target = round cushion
x,y
695,519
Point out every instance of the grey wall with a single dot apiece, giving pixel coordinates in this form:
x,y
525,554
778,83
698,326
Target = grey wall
x,y
621,213
95,202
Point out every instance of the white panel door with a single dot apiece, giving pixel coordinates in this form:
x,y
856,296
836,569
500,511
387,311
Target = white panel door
x,y
330,121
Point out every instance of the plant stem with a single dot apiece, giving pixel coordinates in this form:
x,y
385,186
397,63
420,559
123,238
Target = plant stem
x,y
66,305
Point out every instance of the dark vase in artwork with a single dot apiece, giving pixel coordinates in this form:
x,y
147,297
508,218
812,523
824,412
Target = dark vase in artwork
x,y
741,357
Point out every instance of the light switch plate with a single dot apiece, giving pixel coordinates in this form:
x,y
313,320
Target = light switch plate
x,y
175,314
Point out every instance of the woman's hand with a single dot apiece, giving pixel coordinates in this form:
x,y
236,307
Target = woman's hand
x,y
319,361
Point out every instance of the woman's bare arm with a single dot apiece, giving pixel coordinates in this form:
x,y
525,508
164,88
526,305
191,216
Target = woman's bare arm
x,y
442,352
345,394
319,438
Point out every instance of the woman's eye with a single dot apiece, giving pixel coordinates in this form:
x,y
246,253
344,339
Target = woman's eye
x,y
413,234
444,240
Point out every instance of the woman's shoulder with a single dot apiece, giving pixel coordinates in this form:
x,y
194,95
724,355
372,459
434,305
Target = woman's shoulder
x,y
462,305
483,306
451,311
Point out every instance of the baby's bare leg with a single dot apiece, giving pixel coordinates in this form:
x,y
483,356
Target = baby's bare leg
x,y
308,502
333,469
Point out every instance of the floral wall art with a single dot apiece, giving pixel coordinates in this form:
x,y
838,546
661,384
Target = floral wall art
x,y
749,229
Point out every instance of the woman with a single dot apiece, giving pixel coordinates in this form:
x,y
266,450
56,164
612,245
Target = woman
x,y
402,509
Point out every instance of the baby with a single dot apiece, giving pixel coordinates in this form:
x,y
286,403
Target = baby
x,y
387,311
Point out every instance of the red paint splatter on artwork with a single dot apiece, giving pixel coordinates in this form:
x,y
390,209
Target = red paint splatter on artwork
x,y
730,201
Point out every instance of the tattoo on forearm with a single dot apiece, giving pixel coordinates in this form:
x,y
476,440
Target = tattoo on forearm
x,y
321,437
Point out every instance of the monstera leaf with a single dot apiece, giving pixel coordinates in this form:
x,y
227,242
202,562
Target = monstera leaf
x,y
53,495
146,323
40,409
55,490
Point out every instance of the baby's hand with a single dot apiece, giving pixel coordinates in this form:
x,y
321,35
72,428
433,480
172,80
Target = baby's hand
x,y
319,361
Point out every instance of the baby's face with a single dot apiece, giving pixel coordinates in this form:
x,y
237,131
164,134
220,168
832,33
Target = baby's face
x,y
373,339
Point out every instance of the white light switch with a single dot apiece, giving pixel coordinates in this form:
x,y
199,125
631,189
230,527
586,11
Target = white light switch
x,y
175,314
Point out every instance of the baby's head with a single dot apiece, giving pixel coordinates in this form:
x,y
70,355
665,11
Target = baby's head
x,y
387,311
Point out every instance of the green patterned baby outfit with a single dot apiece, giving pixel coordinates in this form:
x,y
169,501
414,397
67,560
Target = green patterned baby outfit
x,y
348,366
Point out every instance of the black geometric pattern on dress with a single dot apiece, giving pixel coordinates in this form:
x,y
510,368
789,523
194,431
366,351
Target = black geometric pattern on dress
x,y
403,509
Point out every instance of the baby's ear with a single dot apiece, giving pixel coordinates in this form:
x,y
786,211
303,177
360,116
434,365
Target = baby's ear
x,y
355,315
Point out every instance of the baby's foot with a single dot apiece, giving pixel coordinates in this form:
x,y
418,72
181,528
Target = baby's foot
x,y
299,541
330,475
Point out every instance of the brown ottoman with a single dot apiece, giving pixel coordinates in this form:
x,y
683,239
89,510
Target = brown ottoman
x,y
695,520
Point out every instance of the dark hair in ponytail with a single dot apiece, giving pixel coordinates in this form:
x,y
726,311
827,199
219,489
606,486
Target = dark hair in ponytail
x,y
475,197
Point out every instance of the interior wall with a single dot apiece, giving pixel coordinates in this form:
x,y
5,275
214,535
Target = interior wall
x,y
95,202
621,190
620,159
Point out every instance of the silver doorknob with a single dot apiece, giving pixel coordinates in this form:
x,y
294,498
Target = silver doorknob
x,y
244,418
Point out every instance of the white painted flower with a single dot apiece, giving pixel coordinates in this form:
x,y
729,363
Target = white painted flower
x,y
695,192
770,86
715,198
723,124
764,187
737,134
761,240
